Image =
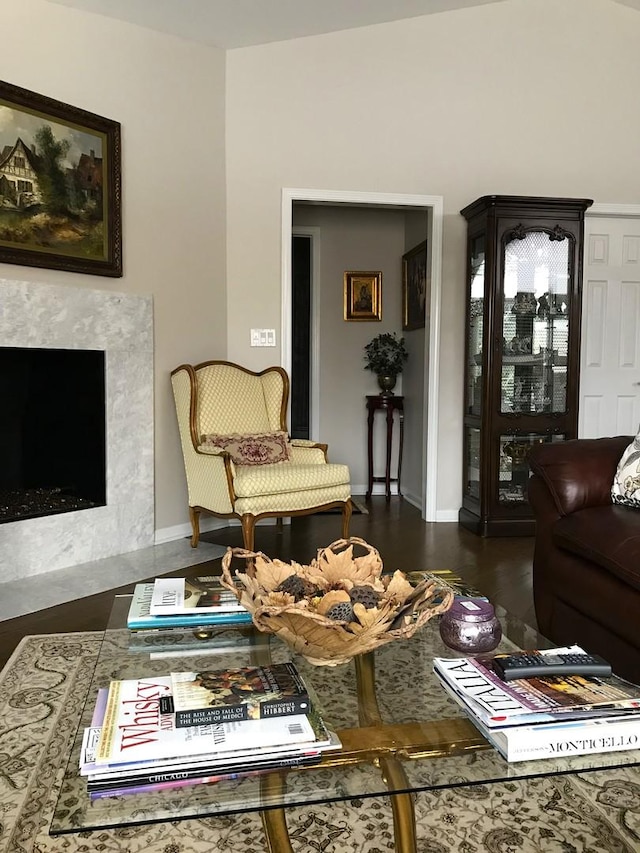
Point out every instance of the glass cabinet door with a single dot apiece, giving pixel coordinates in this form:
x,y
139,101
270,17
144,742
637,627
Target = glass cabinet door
x,y
475,344
514,473
535,331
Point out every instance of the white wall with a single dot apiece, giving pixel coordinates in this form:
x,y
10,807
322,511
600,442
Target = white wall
x,y
533,98
168,95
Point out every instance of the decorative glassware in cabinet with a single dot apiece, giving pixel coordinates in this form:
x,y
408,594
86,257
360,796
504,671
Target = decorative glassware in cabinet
x,y
514,470
476,327
472,444
535,324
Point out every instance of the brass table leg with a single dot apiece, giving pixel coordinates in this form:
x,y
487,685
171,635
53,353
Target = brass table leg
x,y
404,818
274,821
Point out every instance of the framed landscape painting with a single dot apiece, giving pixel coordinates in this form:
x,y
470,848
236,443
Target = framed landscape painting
x,y
60,202
414,287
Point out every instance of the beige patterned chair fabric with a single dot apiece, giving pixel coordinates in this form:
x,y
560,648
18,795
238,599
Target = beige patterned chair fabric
x,y
220,398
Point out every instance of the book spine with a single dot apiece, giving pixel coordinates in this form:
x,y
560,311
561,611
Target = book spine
x,y
157,781
151,787
557,741
109,723
233,713
192,620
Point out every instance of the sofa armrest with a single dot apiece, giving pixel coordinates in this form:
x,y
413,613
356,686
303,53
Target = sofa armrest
x,y
577,473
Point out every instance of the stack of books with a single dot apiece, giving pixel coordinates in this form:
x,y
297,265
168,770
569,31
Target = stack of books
x,y
187,728
184,603
554,716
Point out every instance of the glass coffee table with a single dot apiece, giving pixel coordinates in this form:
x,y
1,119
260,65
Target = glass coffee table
x,y
400,732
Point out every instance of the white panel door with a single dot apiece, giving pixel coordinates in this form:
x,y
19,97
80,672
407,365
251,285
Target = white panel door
x,y
610,349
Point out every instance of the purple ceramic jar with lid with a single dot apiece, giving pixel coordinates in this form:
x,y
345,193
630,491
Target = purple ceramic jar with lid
x,y
470,625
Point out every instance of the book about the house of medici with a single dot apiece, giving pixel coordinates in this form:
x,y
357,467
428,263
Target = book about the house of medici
x,y
244,693
563,739
135,727
139,617
186,595
497,703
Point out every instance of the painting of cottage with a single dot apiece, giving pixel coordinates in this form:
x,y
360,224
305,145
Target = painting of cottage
x,y
51,186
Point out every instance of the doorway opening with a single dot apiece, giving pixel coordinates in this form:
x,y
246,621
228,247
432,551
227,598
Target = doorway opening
x,y
429,393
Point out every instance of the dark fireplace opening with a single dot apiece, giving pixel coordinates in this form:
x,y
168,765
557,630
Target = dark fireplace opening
x,y
52,431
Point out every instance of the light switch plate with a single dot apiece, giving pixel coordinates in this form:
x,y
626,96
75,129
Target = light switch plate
x,y
263,337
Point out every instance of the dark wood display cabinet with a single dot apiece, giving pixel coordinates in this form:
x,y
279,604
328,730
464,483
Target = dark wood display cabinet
x,y
522,360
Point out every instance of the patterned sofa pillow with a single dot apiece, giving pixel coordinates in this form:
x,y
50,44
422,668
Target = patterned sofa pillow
x,y
255,449
626,483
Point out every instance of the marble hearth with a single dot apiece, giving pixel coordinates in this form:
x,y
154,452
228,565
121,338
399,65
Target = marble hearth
x,y
52,316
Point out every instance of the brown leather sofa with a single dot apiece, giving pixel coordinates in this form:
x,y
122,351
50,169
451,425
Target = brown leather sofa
x,y
586,565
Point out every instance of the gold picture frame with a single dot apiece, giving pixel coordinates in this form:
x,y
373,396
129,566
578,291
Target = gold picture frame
x,y
414,287
362,295
60,185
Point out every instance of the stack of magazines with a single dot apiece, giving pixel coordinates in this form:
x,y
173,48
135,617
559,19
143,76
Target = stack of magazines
x,y
187,728
544,717
184,602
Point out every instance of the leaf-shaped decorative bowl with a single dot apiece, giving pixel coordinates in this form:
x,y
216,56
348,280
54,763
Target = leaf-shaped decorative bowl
x,y
337,607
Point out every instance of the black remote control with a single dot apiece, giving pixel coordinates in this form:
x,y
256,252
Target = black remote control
x,y
532,665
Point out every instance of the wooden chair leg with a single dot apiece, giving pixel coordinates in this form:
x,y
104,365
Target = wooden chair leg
x,y
248,530
194,516
346,518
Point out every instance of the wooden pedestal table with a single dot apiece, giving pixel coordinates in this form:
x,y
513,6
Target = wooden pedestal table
x,y
387,403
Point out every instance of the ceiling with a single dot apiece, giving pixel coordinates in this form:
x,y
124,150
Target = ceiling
x,y
229,24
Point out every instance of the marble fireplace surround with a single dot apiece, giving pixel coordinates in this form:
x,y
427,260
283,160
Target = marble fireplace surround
x,y
52,316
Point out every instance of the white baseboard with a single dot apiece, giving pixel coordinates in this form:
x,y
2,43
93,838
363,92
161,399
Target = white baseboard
x,y
447,515
180,531
378,489
414,500
207,523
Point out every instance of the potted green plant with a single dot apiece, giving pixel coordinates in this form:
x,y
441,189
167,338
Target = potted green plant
x,y
386,355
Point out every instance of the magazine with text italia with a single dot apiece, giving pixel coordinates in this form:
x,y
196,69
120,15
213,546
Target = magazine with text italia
x,y
499,703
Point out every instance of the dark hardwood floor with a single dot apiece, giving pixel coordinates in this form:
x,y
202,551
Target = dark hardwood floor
x,y
500,567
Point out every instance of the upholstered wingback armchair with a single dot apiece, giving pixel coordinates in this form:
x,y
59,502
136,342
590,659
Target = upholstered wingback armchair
x,y
239,460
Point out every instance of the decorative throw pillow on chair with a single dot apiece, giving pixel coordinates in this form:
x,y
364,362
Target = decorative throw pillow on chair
x,y
626,483
255,449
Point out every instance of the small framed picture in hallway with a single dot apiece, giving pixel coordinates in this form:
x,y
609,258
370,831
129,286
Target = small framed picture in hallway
x,y
362,295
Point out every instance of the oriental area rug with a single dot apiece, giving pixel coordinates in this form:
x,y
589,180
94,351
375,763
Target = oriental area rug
x,y
40,687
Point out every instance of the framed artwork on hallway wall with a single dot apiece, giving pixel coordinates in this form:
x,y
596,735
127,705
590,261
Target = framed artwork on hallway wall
x,y
60,185
414,287
362,295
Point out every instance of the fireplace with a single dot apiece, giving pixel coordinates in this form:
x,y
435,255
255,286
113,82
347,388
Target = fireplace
x,y
52,431
115,331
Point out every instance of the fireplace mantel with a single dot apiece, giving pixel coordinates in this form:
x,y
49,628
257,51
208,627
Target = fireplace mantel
x,y
51,316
